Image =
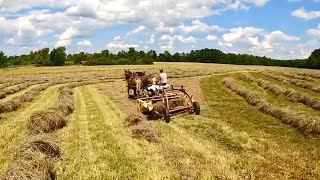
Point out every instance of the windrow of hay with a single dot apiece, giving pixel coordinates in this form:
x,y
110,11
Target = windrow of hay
x,y
302,121
291,94
312,75
33,159
266,85
53,118
19,87
17,102
45,121
141,128
295,82
294,76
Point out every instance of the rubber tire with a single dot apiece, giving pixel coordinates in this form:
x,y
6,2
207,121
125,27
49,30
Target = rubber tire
x,y
196,107
166,115
129,95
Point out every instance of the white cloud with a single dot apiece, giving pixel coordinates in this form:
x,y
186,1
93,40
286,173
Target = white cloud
x,y
161,28
307,15
135,31
211,38
65,38
172,39
152,39
118,44
314,32
180,38
138,29
84,43
198,26
279,35
238,34
257,2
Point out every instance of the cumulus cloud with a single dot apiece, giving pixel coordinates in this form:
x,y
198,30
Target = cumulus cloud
x,y
84,43
314,32
257,2
211,38
199,27
240,34
307,15
172,39
65,38
119,44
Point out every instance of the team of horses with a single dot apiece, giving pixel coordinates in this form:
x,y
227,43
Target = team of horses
x,y
139,80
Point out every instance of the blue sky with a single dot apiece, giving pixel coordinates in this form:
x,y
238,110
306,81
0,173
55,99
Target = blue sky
x,y
282,29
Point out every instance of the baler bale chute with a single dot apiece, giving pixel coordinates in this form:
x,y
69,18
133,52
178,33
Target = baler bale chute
x,y
169,102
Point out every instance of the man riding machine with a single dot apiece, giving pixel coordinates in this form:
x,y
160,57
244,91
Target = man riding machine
x,y
155,89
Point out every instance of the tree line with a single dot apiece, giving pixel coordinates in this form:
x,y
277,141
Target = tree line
x,y
58,57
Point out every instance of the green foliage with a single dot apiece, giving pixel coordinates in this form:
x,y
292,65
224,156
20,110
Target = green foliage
x,y
58,56
3,60
217,56
314,60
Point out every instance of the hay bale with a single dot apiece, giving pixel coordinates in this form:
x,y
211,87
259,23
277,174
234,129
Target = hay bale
x,y
145,130
45,121
43,143
32,160
2,95
134,119
35,166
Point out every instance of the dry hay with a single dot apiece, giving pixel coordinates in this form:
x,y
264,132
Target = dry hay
x,y
291,94
294,76
301,121
312,75
33,160
2,95
145,130
174,103
134,119
45,121
141,128
298,83
158,106
266,85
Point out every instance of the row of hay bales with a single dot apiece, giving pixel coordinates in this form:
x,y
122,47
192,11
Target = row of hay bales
x,y
295,82
302,121
291,94
294,76
34,159
8,91
312,75
17,102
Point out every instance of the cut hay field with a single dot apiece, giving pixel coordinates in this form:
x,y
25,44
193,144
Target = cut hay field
x,y
77,122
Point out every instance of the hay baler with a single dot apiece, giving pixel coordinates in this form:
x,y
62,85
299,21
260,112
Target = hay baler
x,y
169,102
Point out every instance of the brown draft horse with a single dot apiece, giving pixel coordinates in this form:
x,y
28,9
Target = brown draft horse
x,y
134,81
139,81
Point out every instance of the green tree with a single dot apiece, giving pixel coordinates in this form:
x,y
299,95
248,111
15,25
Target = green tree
x,y
132,54
58,56
314,60
3,60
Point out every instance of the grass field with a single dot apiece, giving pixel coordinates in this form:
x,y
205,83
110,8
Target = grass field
x,y
245,130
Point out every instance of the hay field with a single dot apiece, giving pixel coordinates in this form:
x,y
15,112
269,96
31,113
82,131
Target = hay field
x,y
76,122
